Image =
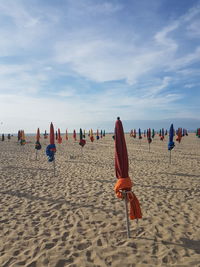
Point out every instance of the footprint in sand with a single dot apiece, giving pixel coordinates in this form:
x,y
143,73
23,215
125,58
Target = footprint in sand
x,y
83,246
64,236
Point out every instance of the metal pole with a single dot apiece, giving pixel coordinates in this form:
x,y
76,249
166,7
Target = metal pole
x,y
54,167
149,147
36,154
170,156
126,209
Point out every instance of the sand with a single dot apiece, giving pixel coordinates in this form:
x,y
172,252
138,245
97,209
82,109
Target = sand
x,y
75,219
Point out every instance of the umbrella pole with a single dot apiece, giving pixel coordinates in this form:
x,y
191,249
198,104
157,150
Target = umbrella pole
x,y
127,219
170,156
54,167
149,147
36,154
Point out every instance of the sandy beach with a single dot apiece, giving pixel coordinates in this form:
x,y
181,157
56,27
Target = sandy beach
x,y
75,219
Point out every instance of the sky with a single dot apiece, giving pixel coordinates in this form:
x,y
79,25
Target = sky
x,y
82,63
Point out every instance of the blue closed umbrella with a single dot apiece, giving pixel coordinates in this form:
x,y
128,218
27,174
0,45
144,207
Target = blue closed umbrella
x,y
171,144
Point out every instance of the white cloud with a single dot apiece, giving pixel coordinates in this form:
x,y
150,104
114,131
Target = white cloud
x,y
193,29
58,44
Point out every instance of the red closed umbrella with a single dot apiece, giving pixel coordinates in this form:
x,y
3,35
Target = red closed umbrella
x,y
124,184
38,135
51,148
66,135
52,136
59,137
74,135
37,144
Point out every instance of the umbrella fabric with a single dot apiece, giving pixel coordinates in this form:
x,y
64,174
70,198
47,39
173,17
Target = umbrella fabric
x,y
51,148
81,141
121,169
104,133
59,137
74,135
91,136
66,135
179,135
45,135
139,134
101,134
97,136
144,133
149,136
161,134
134,133
37,144
19,135
198,133
23,139
153,133
56,135
84,133
2,137
171,144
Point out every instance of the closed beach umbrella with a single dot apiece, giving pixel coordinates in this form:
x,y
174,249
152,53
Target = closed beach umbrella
x,y
124,184
198,133
51,148
38,135
23,138
104,133
153,133
81,141
162,134
56,135
171,144
74,135
139,134
59,137
134,133
91,136
179,135
37,144
19,135
45,134
66,135
149,136
97,136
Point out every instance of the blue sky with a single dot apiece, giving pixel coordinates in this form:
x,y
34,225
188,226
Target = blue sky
x,y
82,63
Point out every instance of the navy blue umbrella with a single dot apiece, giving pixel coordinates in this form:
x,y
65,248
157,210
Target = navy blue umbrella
x,y
171,144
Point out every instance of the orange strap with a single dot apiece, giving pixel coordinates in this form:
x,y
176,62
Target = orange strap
x,y
122,184
126,184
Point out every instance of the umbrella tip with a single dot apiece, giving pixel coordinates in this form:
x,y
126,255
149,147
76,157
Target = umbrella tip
x,y
118,118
